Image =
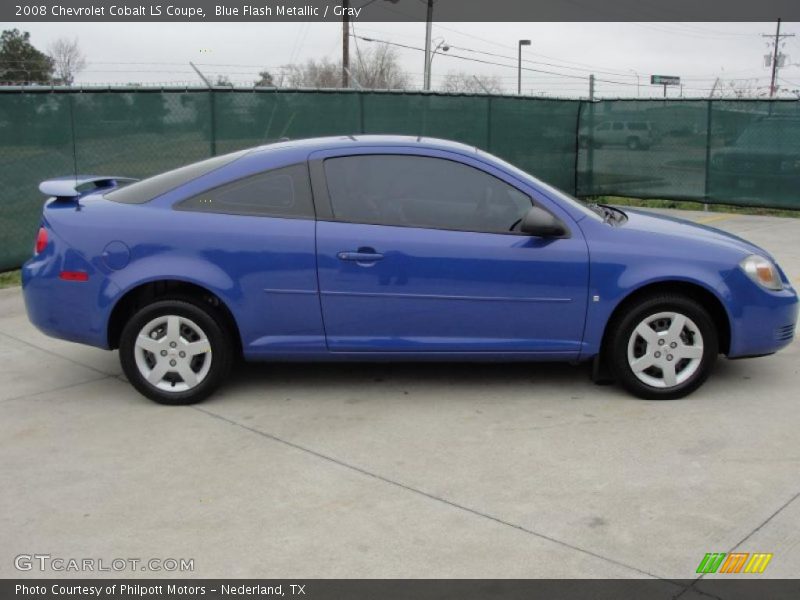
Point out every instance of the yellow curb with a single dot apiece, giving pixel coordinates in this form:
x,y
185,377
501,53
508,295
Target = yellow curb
x,y
715,218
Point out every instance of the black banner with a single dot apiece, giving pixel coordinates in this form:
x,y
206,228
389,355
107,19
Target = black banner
x,y
734,588
397,10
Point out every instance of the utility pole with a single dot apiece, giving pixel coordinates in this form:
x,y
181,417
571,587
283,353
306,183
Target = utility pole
x,y
777,57
591,88
519,65
428,29
445,48
345,44
636,74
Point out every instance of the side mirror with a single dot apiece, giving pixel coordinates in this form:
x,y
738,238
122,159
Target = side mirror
x,y
541,223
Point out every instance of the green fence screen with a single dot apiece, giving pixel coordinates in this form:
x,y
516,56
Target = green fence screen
x,y
724,151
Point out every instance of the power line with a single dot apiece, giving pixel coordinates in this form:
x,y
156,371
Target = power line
x,y
534,62
530,52
693,34
496,64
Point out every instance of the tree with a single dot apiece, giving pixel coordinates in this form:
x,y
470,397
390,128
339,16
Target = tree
x,y
461,82
265,80
20,61
373,68
223,80
736,88
314,74
68,60
378,68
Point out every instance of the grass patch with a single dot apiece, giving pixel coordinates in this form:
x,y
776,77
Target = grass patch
x,y
685,205
10,279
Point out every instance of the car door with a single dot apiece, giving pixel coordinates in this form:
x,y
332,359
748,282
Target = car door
x,y
417,256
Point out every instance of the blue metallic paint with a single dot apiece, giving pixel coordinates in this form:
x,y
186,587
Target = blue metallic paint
x,y
451,291
434,295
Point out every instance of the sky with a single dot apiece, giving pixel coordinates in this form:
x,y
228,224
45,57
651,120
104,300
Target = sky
x,y
622,56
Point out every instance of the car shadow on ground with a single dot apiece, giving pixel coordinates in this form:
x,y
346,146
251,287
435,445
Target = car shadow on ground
x,y
491,378
439,373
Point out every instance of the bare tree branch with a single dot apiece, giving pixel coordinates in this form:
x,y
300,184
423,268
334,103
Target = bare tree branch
x,y
68,60
461,82
376,68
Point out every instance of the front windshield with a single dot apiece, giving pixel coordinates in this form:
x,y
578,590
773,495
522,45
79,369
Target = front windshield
x,y
561,195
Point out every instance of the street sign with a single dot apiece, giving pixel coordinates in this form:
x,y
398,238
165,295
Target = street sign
x,y
664,80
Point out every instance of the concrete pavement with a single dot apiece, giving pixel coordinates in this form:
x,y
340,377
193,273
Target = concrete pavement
x,y
407,470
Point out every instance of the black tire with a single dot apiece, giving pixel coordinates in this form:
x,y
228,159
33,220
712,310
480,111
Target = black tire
x,y
621,329
221,350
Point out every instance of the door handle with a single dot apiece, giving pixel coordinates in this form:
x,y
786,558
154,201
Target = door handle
x,y
361,257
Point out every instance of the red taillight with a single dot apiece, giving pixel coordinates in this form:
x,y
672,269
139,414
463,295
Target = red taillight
x,y
41,240
74,275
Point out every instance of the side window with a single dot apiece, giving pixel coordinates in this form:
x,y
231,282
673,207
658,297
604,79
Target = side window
x,y
417,191
603,126
283,192
618,126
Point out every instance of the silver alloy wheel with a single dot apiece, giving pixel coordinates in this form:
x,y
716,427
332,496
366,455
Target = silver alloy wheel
x,y
173,353
665,349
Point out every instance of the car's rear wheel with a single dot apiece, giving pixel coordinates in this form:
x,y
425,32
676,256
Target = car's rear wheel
x,y
175,352
664,347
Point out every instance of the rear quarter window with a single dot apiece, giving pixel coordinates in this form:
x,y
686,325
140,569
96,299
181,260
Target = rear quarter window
x,y
284,192
152,187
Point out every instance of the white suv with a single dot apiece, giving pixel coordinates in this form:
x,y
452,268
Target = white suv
x,y
636,135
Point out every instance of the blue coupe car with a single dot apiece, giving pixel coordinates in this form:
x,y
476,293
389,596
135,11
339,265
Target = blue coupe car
x,y
389,248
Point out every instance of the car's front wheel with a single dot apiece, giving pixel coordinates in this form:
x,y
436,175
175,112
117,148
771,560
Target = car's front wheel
x,y
664,347
175,352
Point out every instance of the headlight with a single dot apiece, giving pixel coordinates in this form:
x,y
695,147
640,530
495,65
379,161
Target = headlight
x,y
762,271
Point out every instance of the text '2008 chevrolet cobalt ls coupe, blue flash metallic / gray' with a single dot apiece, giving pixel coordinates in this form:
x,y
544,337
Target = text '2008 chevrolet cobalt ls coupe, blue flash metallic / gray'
x,y
389,248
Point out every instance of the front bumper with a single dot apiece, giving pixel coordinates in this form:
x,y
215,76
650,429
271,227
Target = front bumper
x,y
762,322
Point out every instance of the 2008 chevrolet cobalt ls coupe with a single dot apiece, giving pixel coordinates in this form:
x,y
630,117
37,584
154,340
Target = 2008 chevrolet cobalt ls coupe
x,y
389,248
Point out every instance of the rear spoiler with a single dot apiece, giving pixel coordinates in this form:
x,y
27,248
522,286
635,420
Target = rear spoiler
x,y
70,187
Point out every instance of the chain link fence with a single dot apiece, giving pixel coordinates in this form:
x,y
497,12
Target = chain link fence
x,y
725,151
